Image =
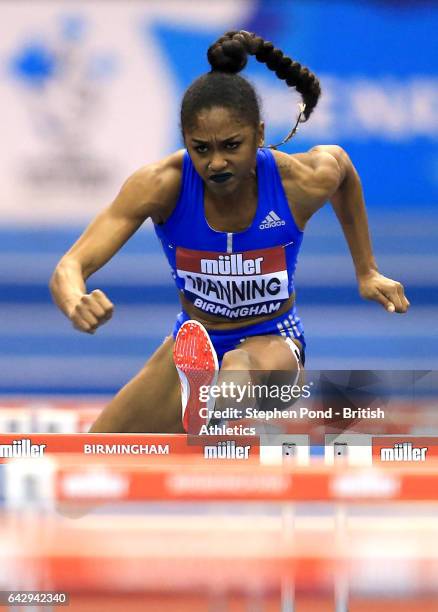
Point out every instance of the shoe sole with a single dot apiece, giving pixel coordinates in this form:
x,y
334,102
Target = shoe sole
x,y
197,366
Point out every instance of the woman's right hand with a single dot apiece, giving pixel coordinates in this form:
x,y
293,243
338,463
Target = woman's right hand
x,y
90,311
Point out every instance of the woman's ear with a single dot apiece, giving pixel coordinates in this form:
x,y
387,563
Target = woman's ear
x,y
261,134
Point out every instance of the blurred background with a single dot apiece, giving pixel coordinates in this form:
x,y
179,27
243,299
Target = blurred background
x,y
90,91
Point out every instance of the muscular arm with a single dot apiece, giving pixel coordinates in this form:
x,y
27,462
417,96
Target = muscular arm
x,y
327,173
150,192
348,203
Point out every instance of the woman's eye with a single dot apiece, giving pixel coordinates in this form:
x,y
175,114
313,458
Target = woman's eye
x,y
201,148
232,145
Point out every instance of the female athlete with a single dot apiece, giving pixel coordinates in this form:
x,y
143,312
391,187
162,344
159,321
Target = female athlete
x,y
230,215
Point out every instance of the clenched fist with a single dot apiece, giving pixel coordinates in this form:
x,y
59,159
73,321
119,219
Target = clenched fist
x,y
388,292
91,311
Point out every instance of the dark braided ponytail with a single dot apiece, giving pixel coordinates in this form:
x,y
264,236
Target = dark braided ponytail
x,y
224,87
230,54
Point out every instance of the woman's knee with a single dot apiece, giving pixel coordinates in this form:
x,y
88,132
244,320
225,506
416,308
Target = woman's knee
x,y
238,359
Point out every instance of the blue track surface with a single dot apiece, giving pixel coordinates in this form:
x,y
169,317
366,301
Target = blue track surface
x,y
40,352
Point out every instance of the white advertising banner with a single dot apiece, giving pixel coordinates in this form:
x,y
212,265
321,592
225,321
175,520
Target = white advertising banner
x,y
87,96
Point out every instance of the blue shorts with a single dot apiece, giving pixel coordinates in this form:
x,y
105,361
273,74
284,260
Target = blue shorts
x,y
287,325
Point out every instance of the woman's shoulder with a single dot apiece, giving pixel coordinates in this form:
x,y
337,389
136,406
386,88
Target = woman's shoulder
x,y
309,179
310,172
158,185
294,165
165,170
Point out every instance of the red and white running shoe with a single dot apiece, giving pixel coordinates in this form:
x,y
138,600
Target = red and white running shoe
x,y
197,365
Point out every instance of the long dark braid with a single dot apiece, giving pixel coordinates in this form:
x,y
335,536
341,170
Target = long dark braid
x,y
223,86
230,54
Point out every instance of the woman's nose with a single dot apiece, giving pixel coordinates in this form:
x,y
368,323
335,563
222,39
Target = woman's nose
x,y
217,164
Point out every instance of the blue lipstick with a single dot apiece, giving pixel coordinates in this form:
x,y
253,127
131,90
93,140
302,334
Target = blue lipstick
x,y
221,178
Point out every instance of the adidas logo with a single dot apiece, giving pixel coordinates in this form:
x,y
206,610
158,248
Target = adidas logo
x,y
271,220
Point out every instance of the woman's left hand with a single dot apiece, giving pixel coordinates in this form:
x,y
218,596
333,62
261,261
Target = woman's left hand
x,y
388,292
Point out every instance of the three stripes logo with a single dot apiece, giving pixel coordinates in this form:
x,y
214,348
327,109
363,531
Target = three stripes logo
x,y
271,220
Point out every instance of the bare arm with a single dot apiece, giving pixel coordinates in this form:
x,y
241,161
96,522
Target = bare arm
x,y
151,191
330,175
348,203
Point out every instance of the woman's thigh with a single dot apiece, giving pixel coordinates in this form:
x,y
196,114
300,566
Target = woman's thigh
x,y
269,361
150,402
271,353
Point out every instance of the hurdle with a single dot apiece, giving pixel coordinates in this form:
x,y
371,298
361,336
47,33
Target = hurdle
x,y
307,556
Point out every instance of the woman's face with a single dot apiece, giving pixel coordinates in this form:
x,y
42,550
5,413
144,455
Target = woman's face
x,y
223,149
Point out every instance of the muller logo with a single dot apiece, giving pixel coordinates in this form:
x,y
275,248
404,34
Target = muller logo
x,y
232,265
21,448
403,451
226,450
